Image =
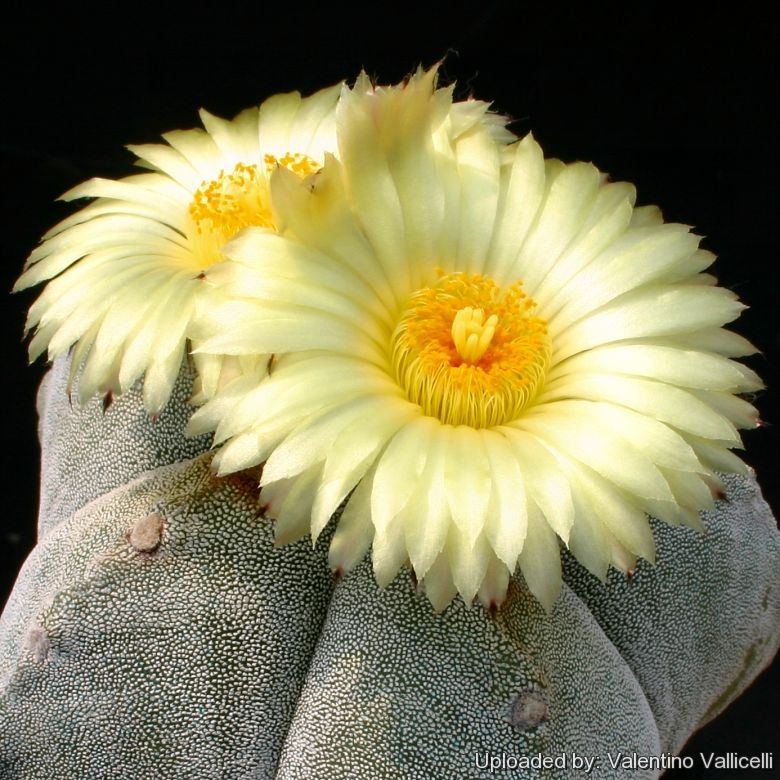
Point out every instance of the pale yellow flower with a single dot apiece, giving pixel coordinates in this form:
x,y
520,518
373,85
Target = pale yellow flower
x,y
481,353
127,269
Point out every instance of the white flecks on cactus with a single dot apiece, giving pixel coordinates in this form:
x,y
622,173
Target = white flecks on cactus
x,y
184,661
93,449
217,654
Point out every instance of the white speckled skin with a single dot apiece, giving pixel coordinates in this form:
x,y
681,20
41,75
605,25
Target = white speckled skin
x,y
216,655
89,450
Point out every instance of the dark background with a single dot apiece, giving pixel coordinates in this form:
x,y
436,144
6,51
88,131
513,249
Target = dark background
x,y
682,104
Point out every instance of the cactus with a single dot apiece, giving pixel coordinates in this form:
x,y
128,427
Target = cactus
x,y
157,632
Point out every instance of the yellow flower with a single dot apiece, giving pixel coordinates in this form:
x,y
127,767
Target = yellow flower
x,y
126,270
480,353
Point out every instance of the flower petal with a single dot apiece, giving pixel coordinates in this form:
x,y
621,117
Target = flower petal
x,y
507,518
649,311
672,405
546,485
468,480
582,439
674,365
540,559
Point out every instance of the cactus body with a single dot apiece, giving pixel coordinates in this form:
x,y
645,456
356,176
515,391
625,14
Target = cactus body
x,y
157,632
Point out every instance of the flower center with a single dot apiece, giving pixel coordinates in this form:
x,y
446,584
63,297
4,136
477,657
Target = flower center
x,y
223,206
470,335
470,353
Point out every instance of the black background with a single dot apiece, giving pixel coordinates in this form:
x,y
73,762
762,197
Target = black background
x,y
683,104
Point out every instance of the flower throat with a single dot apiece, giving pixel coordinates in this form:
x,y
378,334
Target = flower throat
x,y
221,207
469,353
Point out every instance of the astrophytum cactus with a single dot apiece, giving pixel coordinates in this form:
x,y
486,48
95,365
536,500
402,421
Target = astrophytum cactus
x,y
157,632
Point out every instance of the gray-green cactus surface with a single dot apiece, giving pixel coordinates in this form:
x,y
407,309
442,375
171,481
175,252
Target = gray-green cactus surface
x,y
157,632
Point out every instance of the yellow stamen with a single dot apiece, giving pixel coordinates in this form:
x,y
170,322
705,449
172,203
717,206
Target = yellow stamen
x,y
469,353
232,201
296,162
223,206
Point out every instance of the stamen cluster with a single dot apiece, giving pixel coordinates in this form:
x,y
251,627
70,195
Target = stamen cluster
x,y
469,353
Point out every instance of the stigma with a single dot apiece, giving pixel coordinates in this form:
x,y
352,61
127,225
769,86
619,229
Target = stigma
x,y
470,335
